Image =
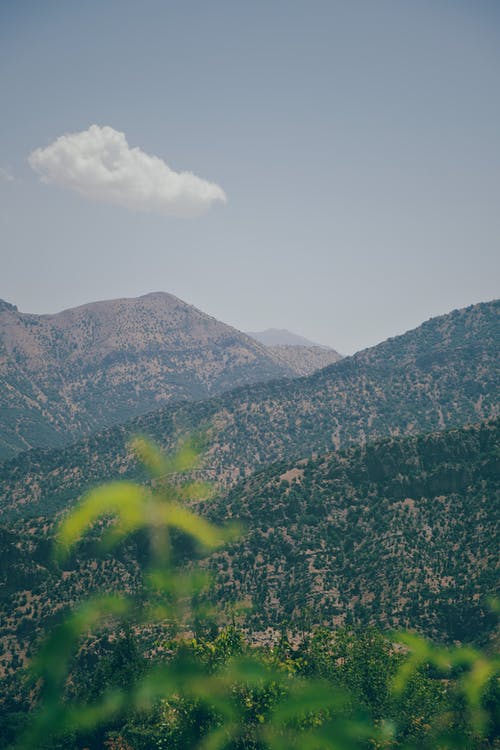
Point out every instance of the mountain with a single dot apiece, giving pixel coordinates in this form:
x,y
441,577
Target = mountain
x,y
440,375
69,374
282,337
304,360
303,356
398,533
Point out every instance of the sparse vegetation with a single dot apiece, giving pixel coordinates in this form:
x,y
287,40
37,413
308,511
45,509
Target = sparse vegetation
x,y
366,522
95,688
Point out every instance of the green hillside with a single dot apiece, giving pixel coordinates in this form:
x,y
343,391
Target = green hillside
x,y
398,533
440,375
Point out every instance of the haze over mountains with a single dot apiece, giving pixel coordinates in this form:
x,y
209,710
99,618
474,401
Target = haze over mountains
x,y
302,355
66,375
282,337
304,360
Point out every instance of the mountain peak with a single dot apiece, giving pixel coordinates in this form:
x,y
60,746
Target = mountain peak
x,y
282,337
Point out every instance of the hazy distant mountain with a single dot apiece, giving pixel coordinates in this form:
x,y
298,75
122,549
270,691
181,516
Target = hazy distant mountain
x,y
68,374
304,360
282,337
440,375
297,352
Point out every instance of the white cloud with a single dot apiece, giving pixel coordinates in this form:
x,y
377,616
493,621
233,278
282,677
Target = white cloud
x,y
99,164
6,175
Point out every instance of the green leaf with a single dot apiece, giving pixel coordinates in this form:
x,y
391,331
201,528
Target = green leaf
x,y
124,500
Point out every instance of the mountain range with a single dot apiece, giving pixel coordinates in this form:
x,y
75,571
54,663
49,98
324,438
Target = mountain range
x,y
368,489
440,375
67,375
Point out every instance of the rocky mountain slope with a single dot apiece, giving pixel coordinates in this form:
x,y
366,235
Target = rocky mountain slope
x,y
66,375
440,375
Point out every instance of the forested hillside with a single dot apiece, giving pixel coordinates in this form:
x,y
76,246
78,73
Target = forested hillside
x,y
398,533
442,374
402,532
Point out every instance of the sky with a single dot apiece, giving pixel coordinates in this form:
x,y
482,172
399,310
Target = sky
x,y
331,167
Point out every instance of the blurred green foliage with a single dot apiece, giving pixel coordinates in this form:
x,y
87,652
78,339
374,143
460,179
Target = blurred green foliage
x,y
207,686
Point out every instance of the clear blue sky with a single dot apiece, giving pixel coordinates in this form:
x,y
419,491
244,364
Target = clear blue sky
x,y
357,142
